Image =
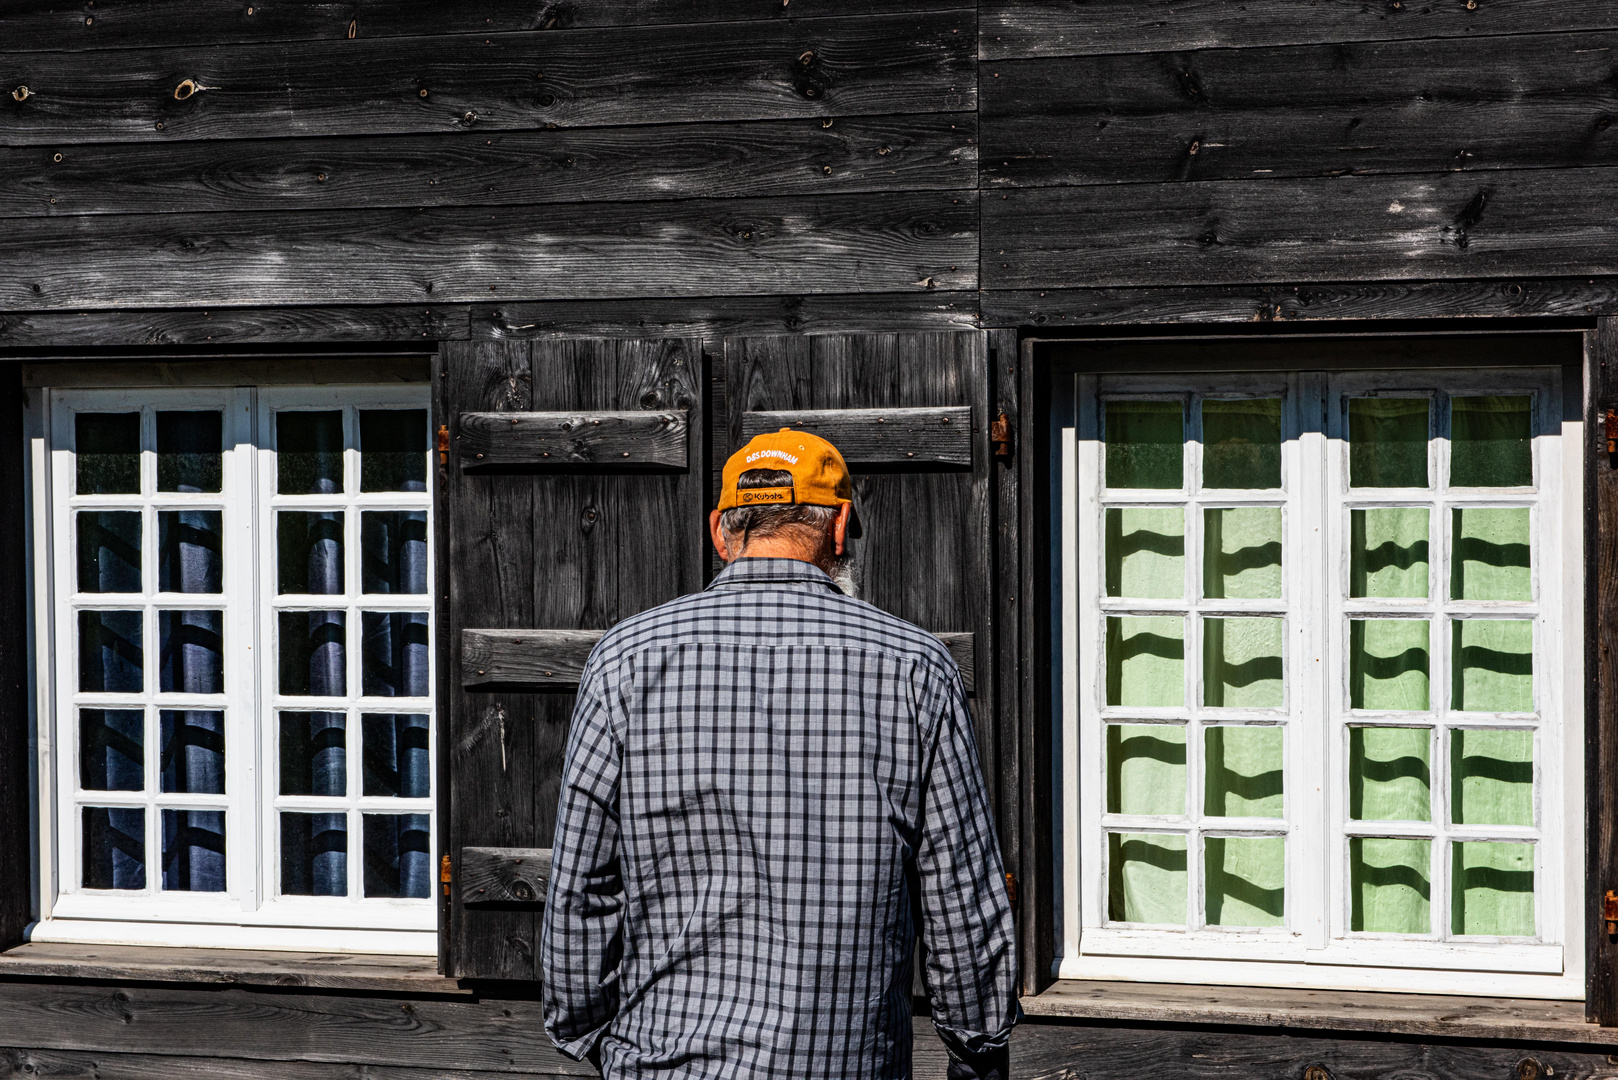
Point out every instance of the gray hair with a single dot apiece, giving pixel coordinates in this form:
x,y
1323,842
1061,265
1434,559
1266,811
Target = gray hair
x,y
743,523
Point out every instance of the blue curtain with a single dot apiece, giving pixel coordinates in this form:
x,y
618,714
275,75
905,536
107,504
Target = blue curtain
x,y
309,546
397,855
314,754
111,657
191,652
194,850
393,551
313,658
114,848
188,551
314,854
193,751
109,551
396,757
112,749
395,653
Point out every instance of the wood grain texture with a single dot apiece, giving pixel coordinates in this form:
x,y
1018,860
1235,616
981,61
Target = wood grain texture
x,y
526,660
43,24
560,165
16,798
1533,223
1004,657
1170,304
422,324
904,242
941,435
572,439
34,1064
336,369
962,648
1013,28
504,875
883,64
229,967
1037,783
1530,101
1601,731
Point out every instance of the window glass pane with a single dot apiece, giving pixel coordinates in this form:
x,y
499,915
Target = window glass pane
x,y
1493,665
1388,552
1491,440
109,551
190,545
114,847
393,450
313,657
1492,777
1241,553
1241,663
191,652
314,753
393,551
314,854
1390,885
193,850
1146,552
1145,660
1492,889
112,755
1388,664
1145,444
309,552
1241,443
1245,880
1389,774
1145,769
1146,878
309,453
110,652
193,754
398,855
397,759
1243,770
395,653
107,453
1387,442
188,451
1490,560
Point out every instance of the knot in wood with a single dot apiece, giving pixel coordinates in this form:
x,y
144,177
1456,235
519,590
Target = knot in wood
x,y
186,88
22,93
1316,1072
1528,1068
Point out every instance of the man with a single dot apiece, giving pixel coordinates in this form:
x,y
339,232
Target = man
x,y
765,784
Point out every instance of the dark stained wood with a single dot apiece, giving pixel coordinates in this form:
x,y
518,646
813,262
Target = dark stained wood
x,y
904,242
1005,658
321,370
504,875
80,1065
1062,28
1036,784
963,650
1511,296
525,660
1276,352
570,439
708,160
44,24
1540,222
1530,101
941,435
419,323
884,64
16,876
235,967
1601,621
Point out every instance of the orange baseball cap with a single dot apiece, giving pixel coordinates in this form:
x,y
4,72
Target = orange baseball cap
x,y
819,475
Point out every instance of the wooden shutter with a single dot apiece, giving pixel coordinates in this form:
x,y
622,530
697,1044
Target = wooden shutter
x,y
572,493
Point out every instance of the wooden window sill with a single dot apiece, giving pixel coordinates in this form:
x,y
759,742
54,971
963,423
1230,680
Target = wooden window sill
x,y
1322,1010
133,963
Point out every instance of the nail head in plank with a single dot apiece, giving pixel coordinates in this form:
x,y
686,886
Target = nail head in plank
x,y
571,439
913,436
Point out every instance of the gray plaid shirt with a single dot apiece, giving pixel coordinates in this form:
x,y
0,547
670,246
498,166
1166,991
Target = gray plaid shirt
x,y
766,782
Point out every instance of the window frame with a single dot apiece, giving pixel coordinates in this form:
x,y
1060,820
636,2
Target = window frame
x,y
250,914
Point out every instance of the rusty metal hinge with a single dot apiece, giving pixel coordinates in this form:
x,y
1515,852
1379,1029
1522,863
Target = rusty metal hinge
x,y
1000,435
1609,911
443,873
443,446
1011,890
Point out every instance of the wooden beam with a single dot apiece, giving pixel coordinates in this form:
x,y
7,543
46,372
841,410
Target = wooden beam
x,y
912,436
561,440
504,875
1601,706
422,324
16,727
228,967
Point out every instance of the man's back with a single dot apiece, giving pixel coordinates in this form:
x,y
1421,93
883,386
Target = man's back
x,y
762,780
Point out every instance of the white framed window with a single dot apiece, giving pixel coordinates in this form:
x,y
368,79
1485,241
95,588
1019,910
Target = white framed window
x,y
1321,712
234,627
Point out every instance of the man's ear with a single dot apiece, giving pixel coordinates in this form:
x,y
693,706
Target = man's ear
x,y
840,526
718,536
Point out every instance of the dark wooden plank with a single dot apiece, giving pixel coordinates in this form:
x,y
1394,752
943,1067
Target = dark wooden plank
x,y
43,24
1169,304
1005,657
485,556
1601,621
234,325
1541,222
674,161
916,63
16,800
1014,28
1036,783
230,967
1530,101
324,368
962,648
505,875
904,242
941,435
525,660
561,440
77,1064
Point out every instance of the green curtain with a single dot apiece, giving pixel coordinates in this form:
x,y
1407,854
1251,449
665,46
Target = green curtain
x,y
1145,444
1241,443
1241,662
1146,878
1387,442
1490,556
1145,660
1387,555
1145,769
1390,774
1241,553
1492,888
1145,552
1492,665
1390,885
1492,777
1388,664
1490,441
1244,880
1243,771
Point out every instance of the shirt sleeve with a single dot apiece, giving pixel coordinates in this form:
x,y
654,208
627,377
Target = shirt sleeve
x,y
580,942
971,969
